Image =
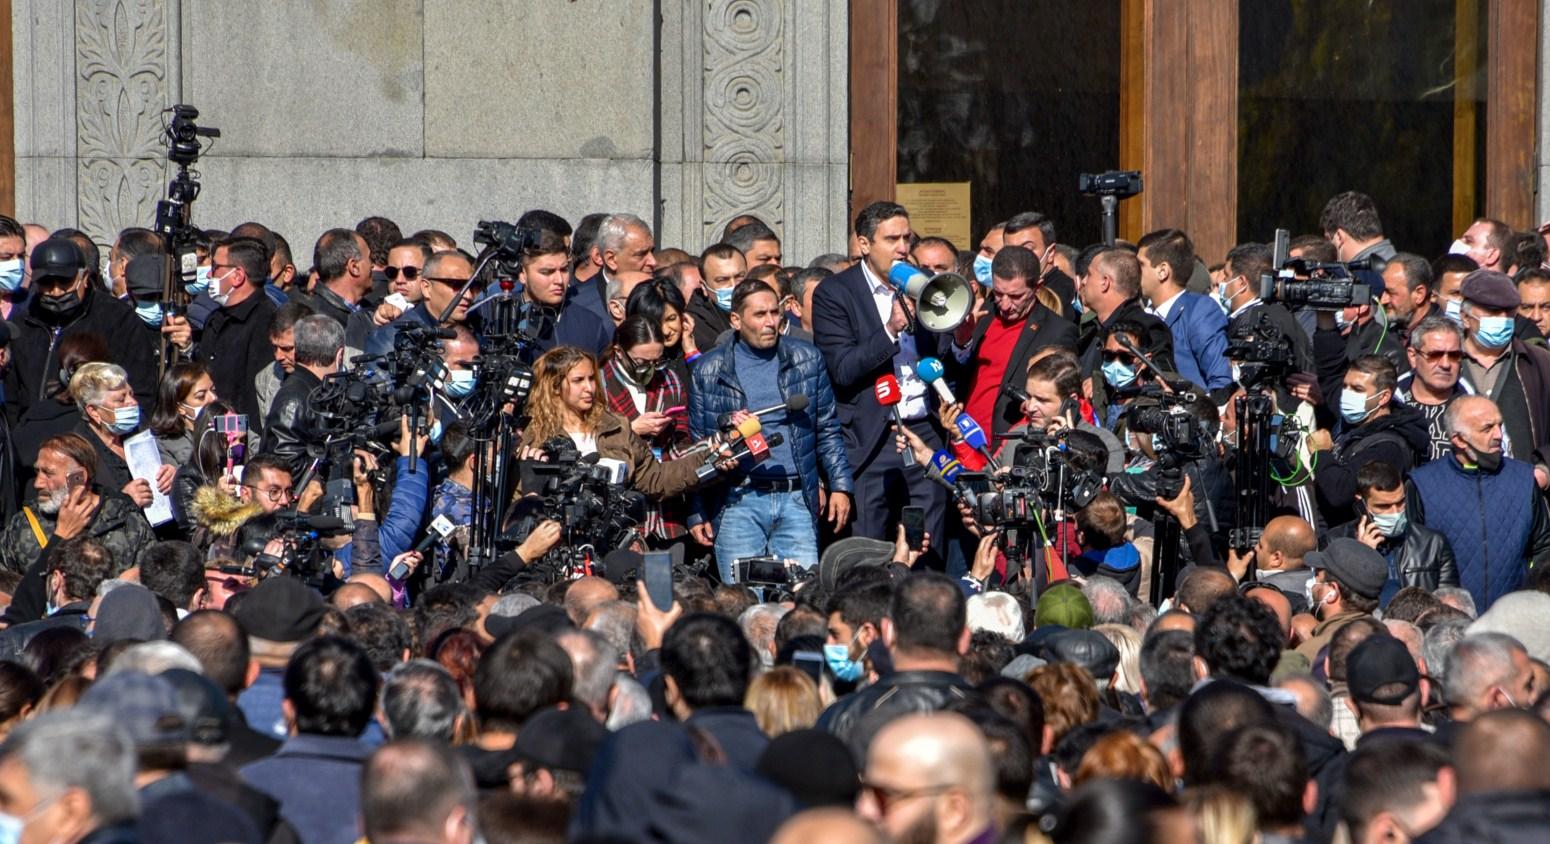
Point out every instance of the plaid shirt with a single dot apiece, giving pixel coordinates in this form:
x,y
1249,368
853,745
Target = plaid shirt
x,y
665,393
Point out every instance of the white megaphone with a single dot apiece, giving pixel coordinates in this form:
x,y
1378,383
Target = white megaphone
x,y
942,301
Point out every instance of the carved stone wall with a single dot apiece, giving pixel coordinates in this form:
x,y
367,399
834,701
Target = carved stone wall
x,y
123,52
439,114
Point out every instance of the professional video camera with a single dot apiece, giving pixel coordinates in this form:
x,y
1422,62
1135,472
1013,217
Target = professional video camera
x,y
1175,431
1040,474
302,554
1301,283
588,497
1263,353
1110,188
174,217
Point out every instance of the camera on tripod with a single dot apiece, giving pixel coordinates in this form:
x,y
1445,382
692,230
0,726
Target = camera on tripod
x,y
1040,476
183,134
1175,431
1262,351
1121,184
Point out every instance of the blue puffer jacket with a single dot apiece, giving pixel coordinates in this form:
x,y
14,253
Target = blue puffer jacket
x,y
815,432
1489,520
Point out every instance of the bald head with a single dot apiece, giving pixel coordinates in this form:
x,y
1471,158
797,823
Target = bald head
x,y
1278,604
353,595
1503,750
928,752
1286,540
1173,620
827,826
376,583
586,595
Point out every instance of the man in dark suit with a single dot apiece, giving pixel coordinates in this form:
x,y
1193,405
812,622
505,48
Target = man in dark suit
x,y
560,319
999,345
865,332
1111,290
1036,233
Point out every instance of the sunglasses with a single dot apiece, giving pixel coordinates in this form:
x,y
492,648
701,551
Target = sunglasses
x,y
1118,357
410,273
1435,357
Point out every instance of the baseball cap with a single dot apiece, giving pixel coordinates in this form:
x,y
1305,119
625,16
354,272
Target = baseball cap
x,y
1353,565
145,276
1378,662
57,257
560,740
1092,651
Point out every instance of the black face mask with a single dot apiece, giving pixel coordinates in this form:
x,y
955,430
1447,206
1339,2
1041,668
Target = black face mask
x,y
1489,462
59,306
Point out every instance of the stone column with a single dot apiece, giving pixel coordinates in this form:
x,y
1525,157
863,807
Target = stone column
x,y
753,120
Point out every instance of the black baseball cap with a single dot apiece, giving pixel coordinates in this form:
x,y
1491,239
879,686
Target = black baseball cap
x,y
57,257
1353,565
560,740
1380,662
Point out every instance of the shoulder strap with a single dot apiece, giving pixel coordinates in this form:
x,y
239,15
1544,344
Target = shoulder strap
x,y
37,529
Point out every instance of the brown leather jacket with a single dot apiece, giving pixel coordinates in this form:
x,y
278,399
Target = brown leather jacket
x,y
656,480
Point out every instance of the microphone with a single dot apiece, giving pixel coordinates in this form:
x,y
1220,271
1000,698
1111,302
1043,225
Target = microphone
x,y
440,528
795,404
974,435
756,446
717,441
931,371
888,395
943,470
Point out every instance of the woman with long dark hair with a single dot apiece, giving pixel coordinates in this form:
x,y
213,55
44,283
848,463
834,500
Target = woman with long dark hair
x,y
185,389
660,302
639,385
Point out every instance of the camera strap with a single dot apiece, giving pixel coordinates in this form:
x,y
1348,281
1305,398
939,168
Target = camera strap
x,y
37,529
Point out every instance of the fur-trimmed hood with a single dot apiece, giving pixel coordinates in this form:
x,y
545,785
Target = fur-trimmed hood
x,y
221,513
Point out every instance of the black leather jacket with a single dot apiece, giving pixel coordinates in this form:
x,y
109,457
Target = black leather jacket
x,y
1424,558
290,422
855,719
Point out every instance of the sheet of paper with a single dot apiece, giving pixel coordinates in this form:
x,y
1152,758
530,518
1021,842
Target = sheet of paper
x,y
144,458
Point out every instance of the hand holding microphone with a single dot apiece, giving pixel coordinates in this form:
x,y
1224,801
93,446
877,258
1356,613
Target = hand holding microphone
x,y
889,395
974,435
756,445
721,441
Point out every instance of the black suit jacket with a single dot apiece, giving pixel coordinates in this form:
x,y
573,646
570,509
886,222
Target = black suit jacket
x,y
1043,328
857,351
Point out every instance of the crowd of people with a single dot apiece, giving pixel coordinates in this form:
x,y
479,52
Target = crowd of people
x,y
1151,546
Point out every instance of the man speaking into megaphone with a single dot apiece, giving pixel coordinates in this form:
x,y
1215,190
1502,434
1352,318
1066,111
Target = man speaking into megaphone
x,y
873,335
992,349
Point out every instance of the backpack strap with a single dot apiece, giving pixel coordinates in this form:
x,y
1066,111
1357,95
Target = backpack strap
x,y
37,529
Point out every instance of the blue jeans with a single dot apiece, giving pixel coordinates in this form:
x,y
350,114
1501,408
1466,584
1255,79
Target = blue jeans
x,y
754,523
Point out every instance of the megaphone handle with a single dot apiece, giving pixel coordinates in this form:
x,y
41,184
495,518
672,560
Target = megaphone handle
x,y
909,313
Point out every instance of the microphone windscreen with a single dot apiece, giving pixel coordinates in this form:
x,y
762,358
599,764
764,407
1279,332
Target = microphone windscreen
x,y
797,402
749,427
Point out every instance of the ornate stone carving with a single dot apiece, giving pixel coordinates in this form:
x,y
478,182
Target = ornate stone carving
x,y
121,66
745,128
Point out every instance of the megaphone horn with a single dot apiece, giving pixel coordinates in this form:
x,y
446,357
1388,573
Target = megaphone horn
x,y
942,301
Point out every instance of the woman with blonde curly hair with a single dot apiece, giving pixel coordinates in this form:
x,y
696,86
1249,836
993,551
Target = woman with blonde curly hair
x,y
564,404
783,699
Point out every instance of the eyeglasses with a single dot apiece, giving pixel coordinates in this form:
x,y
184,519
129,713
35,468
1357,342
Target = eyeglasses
x,y
886,796
456,283
1118,357
410,273
655,365
274,494
1442,355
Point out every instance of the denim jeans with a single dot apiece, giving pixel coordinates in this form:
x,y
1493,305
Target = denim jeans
x,y
754,523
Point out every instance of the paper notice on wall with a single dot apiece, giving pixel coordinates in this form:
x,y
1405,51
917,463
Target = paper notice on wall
x,y
144,460
938,209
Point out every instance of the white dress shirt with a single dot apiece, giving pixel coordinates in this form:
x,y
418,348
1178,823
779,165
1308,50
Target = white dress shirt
x,y
912,405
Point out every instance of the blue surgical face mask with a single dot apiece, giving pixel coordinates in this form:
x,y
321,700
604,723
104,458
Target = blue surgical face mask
x,y
201,282
436,432
125,419
1453,309
149,313
1353,406
982,270
1390,524
1340,321
1494,331
724,299
841,665
460,382
11,274
1119,374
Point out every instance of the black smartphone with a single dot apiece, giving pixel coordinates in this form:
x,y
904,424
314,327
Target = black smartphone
x,y
914,521
809,661
658,569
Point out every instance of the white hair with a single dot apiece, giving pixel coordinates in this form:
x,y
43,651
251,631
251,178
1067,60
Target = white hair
x,y
155,657
1457,597
996,612
759,622
611,233
513,604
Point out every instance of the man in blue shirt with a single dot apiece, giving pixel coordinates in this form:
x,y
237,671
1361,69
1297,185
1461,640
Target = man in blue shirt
x,y
773,504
